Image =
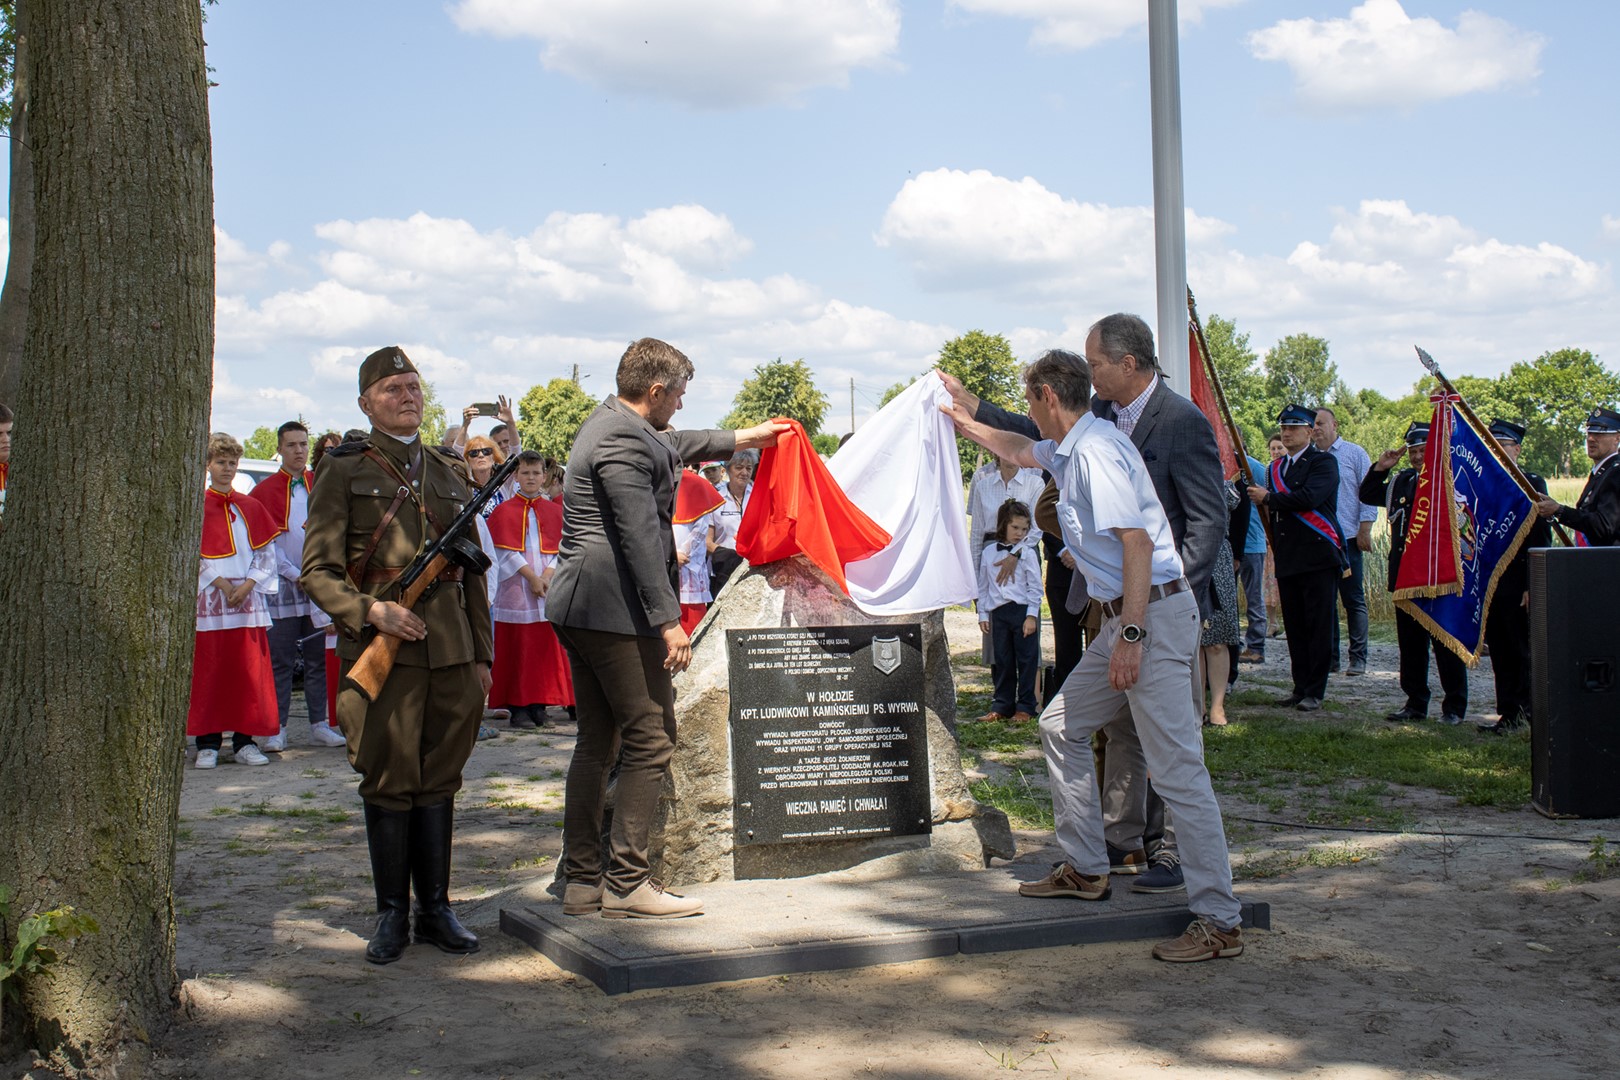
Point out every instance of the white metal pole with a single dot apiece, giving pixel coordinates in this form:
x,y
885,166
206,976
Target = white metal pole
x,y
1169,203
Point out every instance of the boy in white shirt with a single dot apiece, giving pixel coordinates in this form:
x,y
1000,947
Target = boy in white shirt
x,y
1010,613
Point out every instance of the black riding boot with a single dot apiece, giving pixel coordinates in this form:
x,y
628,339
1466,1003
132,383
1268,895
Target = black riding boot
x,y
388,835
436,924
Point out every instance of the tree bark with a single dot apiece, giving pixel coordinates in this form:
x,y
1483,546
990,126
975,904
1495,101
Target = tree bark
x,y
20,265
98,559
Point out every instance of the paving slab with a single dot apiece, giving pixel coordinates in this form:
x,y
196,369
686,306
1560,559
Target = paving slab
x,y
751,929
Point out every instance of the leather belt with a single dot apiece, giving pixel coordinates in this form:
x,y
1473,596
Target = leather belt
x,y
1112,608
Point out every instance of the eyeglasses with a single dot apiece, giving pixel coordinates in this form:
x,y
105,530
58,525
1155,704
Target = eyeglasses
x,y
482,451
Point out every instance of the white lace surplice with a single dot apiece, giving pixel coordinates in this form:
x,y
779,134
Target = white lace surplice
x,y
212,613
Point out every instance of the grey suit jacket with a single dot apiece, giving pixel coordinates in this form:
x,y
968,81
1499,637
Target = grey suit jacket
x,y
1178,447
616,568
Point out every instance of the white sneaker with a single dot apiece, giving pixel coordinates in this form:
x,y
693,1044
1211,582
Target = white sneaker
x,y
207,759
276,743
251,755
323,735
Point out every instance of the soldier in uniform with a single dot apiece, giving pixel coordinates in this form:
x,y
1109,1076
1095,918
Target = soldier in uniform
x,y
377,504
1507,624
1397,493
1596,517
1301,493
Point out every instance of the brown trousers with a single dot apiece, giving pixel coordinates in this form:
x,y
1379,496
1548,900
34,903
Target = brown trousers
x,y
626,703
410,745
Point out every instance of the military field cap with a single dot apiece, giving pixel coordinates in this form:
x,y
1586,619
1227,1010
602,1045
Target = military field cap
x,y
1603,421
383,363
1507,431
1296,416
1417,434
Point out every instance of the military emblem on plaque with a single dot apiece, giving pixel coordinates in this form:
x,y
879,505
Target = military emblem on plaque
x,y
886,654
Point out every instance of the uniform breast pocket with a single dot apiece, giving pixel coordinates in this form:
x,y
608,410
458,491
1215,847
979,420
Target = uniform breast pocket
x,y
369,500
448,498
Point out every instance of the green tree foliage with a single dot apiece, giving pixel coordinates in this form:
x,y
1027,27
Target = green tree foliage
x,y
549,416
988,369
260,444
1238,368
1298,370
433,422
778,389
826,443
1553,395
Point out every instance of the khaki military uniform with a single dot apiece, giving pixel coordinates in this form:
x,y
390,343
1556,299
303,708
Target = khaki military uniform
x,y
411,744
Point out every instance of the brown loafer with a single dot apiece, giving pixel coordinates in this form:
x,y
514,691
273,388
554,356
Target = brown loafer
x,y
1021,717
990,718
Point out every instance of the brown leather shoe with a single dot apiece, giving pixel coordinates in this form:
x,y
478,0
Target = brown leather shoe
x,y
1203,940
1021,717
581,898
1066,882
990,717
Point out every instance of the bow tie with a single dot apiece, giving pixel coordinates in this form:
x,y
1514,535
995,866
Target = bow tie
x,y
1008,547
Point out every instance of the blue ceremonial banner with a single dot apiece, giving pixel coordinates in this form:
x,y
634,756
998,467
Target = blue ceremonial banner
x,y
1492,517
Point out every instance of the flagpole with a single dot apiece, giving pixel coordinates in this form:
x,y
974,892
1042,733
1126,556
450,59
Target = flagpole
x,y
1169,204
1488,439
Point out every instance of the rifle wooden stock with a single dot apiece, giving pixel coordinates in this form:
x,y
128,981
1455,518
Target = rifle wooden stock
x,y
372,669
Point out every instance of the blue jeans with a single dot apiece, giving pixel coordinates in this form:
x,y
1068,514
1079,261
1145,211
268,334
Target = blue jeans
x,y
1252,571
1015,659
1354,598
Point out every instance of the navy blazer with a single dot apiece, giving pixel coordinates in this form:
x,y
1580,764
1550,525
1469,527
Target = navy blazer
x,y
1313,484
616,566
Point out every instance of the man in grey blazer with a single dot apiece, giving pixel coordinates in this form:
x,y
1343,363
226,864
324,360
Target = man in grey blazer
x,y
616,609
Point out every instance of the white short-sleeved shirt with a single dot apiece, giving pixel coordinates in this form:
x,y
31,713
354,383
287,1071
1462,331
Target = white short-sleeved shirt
x,y
1104,486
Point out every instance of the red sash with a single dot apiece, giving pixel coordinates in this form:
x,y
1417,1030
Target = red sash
x,y
218,542
1312,519
275,493
509,524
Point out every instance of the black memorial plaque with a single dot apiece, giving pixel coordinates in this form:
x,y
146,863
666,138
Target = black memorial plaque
x,y
829,737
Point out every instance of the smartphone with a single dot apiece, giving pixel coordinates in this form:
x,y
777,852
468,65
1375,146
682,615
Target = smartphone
x,y
486,408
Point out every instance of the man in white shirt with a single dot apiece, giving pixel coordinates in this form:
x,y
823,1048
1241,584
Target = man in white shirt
x,y
1112,520
1355,525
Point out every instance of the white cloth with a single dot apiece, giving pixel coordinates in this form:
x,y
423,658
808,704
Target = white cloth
x,y
492,576
729,514
1024,587
903,471
514,602
694,540
987,491
212,611
1104,486
289,601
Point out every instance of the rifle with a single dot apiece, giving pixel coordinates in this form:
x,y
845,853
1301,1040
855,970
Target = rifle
x,y
1507,463
453,548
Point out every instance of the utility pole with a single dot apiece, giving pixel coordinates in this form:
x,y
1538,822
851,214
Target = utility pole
x,y
576,374
1169,201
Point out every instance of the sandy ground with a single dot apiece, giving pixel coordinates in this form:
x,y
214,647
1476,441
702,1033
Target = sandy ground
x,y
1432,954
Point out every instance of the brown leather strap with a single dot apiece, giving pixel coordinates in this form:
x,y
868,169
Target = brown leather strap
x,y
1112,608
387,574
358,572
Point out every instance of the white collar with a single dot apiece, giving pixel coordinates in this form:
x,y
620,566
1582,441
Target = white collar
x,y
399,438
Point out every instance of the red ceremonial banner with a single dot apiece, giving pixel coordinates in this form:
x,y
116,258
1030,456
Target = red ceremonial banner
x,y
1202,392
1431,565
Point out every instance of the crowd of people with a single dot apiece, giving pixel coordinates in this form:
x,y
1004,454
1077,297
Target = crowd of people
x,y
1108,498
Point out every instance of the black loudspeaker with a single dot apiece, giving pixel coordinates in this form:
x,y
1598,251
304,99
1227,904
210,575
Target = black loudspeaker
x,y
1575,682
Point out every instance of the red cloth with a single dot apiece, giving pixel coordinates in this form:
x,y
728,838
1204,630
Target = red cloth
x,y
509,524
333,667
1202,377
530,667
1431,564
694,497
218,513
691,615
232,685
797,508
274,492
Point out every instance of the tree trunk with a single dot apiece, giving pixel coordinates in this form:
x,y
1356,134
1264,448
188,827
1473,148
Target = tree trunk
x,y
98,559
20,265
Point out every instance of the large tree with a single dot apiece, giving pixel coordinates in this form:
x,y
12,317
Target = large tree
x,y
1554,394
988,369
778,389
98,565
549,416
1238,368
1299,371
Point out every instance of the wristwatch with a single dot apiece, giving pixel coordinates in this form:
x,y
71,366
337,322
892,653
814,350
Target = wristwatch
x,y
1131,633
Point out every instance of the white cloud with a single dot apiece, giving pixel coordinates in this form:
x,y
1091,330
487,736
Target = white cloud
x,y
1610,229
1380,56
1080,24
703,53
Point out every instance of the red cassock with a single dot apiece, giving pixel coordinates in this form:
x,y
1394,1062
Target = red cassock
x,y
530,666
797,508
232,685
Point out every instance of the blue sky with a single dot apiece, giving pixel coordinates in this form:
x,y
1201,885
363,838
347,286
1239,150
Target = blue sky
x,y
509,187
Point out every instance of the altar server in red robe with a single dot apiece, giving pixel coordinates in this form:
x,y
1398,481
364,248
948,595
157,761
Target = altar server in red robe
x,y
232,686
530,670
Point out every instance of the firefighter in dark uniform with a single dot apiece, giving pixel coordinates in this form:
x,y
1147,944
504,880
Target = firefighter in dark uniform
x,y
1301,493
1596,516
376,506
1507,624
1397,493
